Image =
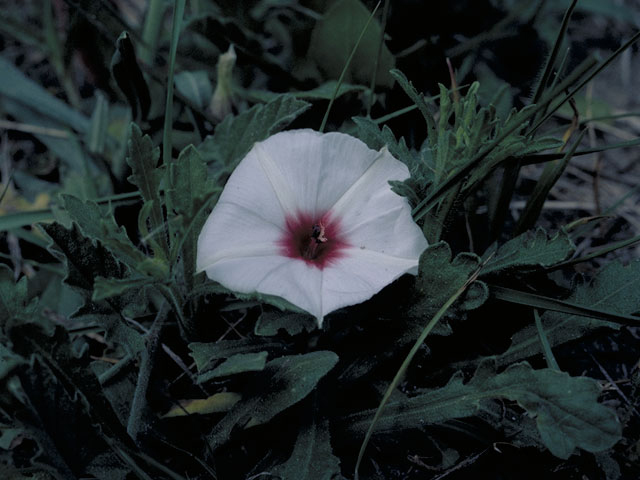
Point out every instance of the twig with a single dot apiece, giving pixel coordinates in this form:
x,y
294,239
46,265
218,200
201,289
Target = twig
x,y
139,403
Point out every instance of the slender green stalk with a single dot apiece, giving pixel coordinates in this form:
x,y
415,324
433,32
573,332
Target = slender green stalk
x,y
374,75
547,157
346,67
178,12
405,364
139,402
554,53
586,80
151,30
411,108
546,347
550,175
427,203
612,247
540,301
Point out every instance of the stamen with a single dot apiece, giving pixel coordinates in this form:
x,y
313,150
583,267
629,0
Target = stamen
x,y
317,232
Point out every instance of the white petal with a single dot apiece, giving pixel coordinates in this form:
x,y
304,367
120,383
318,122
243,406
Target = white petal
x,y
303,171
360,275
371,194
317,169
391,231
293,280
232,231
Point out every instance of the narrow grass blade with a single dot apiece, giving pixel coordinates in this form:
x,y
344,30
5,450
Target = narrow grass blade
x,y
544,79
550,175
546,347
405,364
540,301
346,67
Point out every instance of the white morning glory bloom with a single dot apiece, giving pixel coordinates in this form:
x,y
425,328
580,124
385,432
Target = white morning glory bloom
x,y
311,218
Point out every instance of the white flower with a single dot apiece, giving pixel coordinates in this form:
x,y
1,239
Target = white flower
x,y
311,218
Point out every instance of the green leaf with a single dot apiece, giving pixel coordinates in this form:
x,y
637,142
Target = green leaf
x,y
61,388
143,157
8,361
235,136
440,277
283,383
216,403
195,87
336,34
112,287
13,296
205,354
97,135
147,176
270,322
99,224
312,457
550,175
190,194
59,139
614,288
16,86
84,261
531,249
566,408
370,133
418,99
240,363
128,76
324,91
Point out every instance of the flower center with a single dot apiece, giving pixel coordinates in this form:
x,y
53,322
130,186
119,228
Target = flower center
x,y
316,239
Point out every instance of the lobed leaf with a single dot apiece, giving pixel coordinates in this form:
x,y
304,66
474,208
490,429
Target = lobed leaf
x,y
283,383
613,289
312,457
235,136
239,363
204,354
531,249
195,86
336,34
567,412
101,226
293,323
440,277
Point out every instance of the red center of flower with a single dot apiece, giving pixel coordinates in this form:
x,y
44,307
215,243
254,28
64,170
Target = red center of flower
x,y
316,239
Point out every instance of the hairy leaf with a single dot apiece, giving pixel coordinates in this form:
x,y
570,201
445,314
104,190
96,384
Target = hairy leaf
x,y
143,157
614,288
195,87
566,408
270,322
324,91
71,393
284,382
85,261
205,354
13,296
235,136
190,193
312,457
336,34
439,278
531,249
218,402
16,86
128,76
99,224
239,363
